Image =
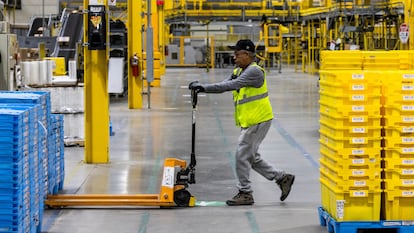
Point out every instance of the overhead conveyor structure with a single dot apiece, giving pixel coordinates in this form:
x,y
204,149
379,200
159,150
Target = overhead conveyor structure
x,y
35,35
37,25
60,35
70,35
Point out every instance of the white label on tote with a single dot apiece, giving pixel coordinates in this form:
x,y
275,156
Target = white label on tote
x,y
408,129
407,161
407,193
407,87
358,172
358,108
408,119
407,139
358,161
407,150
358,140
408,76
358,87
360,183
408,97
340,206
357,76
407,107
358,152
407,182
358,97
359,194
358,119
358,130
407,171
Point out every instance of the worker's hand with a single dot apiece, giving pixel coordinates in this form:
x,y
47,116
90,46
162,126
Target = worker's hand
x,y
195,85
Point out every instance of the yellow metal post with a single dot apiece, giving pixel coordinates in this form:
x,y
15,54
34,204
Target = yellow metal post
x,y
134,47
304,51
384,33
212,57
310,44
408,19
96,99
42,50
324,33
182,50
356,25
163,32
296,45
156,44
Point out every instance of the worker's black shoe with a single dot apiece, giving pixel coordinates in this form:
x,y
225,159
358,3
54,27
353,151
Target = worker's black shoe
x,y
285,184
241,199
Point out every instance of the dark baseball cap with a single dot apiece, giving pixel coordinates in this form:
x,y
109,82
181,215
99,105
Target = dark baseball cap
x,y
247,45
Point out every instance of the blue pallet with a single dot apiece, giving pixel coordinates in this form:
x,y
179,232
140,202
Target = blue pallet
x,y
32,112
14,217
30,116
14,131
333,226
10,129
10,146
12,214
6,166
14,228
9,116
14,188
34,97
11,183
9,122
40,98
6,204
14,196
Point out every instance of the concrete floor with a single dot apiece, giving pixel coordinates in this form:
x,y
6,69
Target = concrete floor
x,y
144,137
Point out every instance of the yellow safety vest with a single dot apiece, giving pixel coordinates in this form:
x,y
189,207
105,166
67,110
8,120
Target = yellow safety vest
x,y
252,105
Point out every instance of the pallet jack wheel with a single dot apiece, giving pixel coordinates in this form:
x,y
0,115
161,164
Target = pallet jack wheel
x,y
182,198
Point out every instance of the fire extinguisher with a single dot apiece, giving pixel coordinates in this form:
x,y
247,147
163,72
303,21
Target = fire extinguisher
x,y
135,65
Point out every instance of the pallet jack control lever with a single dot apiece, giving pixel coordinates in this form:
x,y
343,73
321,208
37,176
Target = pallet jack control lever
x,y
194,98
193,130
187,175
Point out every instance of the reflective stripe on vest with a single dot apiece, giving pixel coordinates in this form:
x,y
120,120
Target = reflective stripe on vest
x,y
252,98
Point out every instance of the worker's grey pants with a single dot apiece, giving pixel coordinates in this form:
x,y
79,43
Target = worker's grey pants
x,y
247,156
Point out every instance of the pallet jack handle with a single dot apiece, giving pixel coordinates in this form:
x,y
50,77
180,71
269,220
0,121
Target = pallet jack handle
x,y
193,131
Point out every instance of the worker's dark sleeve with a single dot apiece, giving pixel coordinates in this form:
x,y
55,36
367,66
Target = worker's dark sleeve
x,y
252,76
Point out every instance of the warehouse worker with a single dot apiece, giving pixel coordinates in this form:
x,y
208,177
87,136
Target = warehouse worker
x,y
253,114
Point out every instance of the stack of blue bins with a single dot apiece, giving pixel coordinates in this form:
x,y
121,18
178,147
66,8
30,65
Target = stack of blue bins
x,y
56,148
31,159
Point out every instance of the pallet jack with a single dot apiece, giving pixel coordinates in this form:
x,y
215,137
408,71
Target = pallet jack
x,y
173,193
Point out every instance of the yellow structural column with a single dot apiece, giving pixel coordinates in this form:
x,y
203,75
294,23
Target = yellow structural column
x,y
135,47
162,35
96,87
156,43
408,19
